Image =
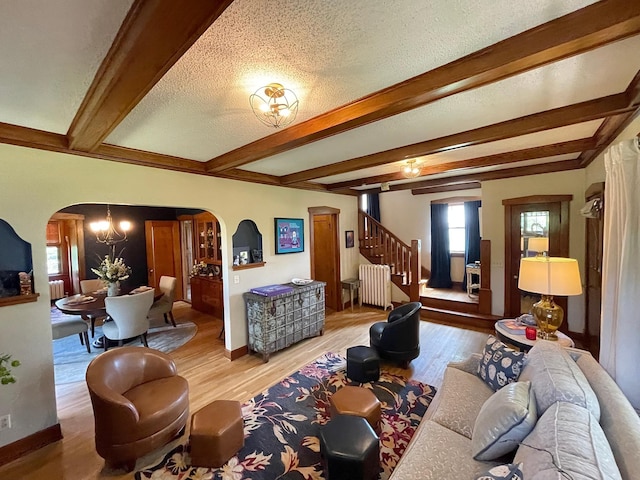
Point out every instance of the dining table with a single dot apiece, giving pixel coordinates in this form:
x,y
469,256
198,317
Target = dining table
x,y
91,306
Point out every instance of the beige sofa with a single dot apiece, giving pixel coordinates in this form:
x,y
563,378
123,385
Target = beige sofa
x,y
583,419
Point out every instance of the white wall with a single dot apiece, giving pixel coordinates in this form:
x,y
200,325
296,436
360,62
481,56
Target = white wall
x,y
559,183
34,184
409,217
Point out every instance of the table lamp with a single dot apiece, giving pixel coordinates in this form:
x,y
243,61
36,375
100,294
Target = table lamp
x,y
549,276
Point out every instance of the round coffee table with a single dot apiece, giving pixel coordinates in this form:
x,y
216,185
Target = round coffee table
x,y
520,341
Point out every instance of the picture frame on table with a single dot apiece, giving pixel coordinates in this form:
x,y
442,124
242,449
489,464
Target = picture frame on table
x,y
349,239
289,235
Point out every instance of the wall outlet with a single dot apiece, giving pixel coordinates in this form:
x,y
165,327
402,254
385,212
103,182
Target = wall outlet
x,y
236,279
5,422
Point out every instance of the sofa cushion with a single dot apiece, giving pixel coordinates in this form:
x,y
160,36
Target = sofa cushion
x,y
505,419
555,377
437,453
567,437
500,364
509,471
461,398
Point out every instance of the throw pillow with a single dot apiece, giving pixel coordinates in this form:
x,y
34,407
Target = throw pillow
x,y
505,419
499,364
509,471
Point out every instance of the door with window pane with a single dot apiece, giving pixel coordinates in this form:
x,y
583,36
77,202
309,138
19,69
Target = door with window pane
x,y
533,226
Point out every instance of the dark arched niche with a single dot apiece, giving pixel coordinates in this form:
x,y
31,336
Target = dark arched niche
x,y
15,257
247,239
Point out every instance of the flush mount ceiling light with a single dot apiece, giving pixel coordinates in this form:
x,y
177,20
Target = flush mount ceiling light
x,y
274,105
410,170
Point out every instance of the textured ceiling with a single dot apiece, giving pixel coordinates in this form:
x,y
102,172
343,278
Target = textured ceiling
x,y
330,52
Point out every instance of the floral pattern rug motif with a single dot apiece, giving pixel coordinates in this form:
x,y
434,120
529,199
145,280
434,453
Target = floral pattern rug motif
x,y
281,427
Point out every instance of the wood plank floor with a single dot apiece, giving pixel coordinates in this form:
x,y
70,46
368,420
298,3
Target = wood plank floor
x,y
211,376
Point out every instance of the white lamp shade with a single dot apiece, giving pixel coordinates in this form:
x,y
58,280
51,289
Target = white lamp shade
x,y
550,276
539,244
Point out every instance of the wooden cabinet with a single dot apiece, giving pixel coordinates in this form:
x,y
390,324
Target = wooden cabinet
x,y
276,322
206,295
208,239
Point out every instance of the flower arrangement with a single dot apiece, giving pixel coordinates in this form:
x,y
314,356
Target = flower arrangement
x,y
112,271
200,269
5,371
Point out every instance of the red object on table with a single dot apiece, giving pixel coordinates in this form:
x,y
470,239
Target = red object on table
x,y
530,333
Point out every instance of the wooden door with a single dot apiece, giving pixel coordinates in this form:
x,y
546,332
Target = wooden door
x,y
554,226
163,252
325,253
593,280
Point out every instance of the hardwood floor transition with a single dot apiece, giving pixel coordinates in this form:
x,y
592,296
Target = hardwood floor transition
x,y
212,376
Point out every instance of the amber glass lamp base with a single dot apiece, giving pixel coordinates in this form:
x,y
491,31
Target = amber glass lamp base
x,y
548,316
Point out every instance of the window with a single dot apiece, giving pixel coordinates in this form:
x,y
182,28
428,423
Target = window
x,y
54,260
364,202
456,228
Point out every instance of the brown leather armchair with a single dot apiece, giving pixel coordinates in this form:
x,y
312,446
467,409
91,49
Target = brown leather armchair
x,y
139,403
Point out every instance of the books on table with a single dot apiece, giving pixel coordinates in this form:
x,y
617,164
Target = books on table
x,y
513,326
272,290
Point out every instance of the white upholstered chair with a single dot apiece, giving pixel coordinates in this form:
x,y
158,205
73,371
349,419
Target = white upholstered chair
x,y
90,286
164,304
128,314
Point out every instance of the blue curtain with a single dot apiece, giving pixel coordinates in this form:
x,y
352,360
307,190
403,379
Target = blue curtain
x,y
440,257
471,234
373,205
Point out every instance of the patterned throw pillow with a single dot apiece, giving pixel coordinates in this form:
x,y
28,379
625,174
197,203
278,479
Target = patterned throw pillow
x,y
509,471
499,364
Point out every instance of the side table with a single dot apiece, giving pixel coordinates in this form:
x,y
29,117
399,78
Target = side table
x,y
352,284
472,269
523,343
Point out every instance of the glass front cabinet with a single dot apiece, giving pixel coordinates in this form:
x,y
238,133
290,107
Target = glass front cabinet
x,y
208,238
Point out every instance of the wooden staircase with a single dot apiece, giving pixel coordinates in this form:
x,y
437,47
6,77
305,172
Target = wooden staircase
x,y
380,246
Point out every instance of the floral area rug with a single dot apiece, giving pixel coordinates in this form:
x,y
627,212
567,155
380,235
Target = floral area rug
x,y
281,427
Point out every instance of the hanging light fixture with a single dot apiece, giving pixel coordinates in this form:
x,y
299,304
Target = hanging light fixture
x,y
274,105
106,232
410,169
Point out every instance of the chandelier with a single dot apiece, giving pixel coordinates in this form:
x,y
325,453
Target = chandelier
x,y
274,105
107,233
410,170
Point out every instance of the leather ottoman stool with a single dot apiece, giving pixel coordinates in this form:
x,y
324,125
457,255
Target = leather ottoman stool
x,y
363,364
217,433
350,449
357,401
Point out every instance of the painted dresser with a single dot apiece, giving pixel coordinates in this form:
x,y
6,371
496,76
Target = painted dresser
x,y
275,322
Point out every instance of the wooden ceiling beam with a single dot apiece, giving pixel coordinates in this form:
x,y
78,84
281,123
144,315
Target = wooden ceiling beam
x,y
561,148
537,122
54,142
614,125
447,188
425,187
152,38
578,32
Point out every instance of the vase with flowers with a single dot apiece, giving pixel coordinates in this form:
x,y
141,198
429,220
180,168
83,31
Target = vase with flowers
x,y
112,272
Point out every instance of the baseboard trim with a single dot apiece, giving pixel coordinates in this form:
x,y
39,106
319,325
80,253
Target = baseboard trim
x,y
237,353
29,444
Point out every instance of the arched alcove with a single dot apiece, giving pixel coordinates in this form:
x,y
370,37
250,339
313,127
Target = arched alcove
x,y
15,257
247,245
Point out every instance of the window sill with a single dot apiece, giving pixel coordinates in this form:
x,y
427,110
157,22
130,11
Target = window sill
x,y
457,254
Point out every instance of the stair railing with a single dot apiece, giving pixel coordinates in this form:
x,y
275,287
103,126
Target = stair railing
x,y
380,245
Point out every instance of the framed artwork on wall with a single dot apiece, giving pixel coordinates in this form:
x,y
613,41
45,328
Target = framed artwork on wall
x,y
289,233
349,238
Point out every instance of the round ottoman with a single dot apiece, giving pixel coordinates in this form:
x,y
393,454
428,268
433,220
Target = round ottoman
x,y
349,449
357,401
217,433
363,364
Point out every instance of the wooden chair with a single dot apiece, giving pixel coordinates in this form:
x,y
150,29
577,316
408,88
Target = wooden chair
x,y
128,315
